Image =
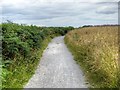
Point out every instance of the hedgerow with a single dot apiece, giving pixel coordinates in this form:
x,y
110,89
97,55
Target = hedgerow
x,y
22,47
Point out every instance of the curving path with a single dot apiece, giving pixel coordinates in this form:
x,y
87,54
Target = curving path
x,y
57,69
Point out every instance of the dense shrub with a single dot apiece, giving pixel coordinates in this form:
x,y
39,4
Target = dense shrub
x,y
20,45
20,39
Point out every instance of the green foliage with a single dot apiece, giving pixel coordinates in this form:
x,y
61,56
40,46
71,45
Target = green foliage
x,y
22,46
20,39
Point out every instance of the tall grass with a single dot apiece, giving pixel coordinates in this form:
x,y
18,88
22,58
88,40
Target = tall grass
x,y
96,51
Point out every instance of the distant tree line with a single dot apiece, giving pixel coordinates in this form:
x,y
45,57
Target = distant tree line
x,y
99,25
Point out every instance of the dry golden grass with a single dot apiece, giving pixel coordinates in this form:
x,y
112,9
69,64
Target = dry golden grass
x,y
96,50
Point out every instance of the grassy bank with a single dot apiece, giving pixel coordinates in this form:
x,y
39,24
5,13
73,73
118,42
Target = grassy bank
x,y
20,72
96,50
22,48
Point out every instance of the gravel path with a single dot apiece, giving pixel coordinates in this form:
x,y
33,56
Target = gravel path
x,y
57,69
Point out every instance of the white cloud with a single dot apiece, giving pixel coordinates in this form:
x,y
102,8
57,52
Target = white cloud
x,y
60,12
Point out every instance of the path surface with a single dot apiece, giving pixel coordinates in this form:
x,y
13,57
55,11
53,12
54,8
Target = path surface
x,y
57,69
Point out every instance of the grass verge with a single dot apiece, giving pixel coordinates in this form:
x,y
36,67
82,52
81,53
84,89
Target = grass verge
x,y
96,50
22,71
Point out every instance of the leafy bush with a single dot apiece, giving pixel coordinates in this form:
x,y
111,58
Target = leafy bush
x,y
21,45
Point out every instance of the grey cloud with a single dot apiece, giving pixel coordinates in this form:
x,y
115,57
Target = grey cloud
x,y
108,8
44,12
107,3
63,13
106,12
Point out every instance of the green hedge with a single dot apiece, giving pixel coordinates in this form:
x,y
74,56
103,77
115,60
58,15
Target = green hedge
x,y
21,45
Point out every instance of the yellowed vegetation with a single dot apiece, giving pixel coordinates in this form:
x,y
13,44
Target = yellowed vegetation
x,y
96,50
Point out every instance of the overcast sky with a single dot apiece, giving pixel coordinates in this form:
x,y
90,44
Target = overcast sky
x,y
60,12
